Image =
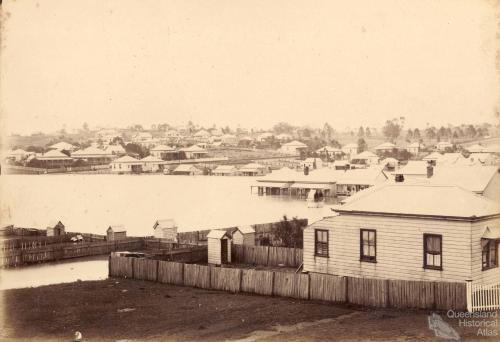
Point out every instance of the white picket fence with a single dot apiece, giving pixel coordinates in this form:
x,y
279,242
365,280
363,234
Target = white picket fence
x,y
483,297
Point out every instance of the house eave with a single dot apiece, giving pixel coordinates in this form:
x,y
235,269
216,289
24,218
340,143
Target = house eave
x,y
417,216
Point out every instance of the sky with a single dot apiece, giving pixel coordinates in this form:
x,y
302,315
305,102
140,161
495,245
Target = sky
x,y
247,63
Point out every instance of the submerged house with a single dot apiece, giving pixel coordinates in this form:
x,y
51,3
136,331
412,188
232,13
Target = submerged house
x,y
225,170
93,156
193,152
352,181
187,170
409,232
164,152
152,164
253,169
126,164
364,159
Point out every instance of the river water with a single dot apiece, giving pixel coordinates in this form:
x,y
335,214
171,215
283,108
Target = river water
x,y
92,268
90,203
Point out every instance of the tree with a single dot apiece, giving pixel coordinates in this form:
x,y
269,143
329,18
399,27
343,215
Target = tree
x,y
137,150
85,127
392,129
409,134
327,131
416,133
470,131
361,132
368,132
283,127
362,145
289,233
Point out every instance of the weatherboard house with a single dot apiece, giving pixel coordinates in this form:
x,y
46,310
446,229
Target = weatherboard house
x,y
401,231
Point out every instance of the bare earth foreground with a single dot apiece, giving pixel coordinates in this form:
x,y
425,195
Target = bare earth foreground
x,y
130,310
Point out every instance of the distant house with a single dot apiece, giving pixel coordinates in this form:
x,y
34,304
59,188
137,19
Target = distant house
x,y
93,156
126,164
202,135
415,169
329,152
311,163
414,148
19,155
293,147
219,247
244,235
114,233
152,164
54,159
187,170
365,158
165,229
253,169
63,146
116,150
229,140
283,137
194,152
385,147
476,148
142,138
408,232
164,152
443,145
350,150
225,170
56,228
353,181
263,137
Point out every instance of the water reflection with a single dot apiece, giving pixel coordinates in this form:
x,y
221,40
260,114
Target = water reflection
x,y
92,268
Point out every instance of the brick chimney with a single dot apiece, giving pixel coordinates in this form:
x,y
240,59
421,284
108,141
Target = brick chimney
x,y
399,178
430,170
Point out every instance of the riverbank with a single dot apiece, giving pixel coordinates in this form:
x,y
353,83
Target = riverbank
x,y
121,309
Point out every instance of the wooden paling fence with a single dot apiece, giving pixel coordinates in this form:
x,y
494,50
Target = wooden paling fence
x,y
17,257
483,297
266,255
313,286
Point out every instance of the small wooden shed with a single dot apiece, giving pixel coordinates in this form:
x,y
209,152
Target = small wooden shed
x,y
244,235
116,232
219,247
55,228
165,229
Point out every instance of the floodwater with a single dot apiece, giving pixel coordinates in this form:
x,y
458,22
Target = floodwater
x,y
92,268
90,203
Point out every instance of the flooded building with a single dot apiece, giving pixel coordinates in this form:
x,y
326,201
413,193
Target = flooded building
x,y
126,164
53,159
253,169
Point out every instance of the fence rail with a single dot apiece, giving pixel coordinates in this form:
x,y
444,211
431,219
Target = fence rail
x,y
483,297
266,255
17,257
313,286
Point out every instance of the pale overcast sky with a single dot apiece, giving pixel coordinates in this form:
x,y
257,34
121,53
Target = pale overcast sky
x,y
247,62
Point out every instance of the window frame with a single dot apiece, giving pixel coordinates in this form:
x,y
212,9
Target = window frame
x,y
367,258
488,258
432,267
316,253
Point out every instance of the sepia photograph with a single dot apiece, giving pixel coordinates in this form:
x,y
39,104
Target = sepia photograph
x,y
249,170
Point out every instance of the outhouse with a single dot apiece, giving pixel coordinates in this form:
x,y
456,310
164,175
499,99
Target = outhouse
x,y
165,229
55,228
116,232
244,235
219,247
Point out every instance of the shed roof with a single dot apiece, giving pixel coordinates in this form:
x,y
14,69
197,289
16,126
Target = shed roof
x,y
246,229
165,223
217,234
62,145
422,200
117,228
295,143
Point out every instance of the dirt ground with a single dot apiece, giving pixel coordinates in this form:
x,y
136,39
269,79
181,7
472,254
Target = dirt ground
x,y
130,310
